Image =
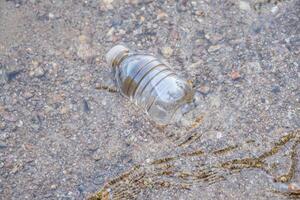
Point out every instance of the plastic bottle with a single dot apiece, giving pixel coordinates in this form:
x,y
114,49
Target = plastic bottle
x,y
150,83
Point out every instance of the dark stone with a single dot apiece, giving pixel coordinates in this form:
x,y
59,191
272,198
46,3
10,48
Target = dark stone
x,y
98,179
12,75
2,146
36,122
81,188
86,107
275,89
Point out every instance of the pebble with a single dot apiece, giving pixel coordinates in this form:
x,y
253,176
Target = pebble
x,y
98,180
51,15
9,117
103,102
54,186
2,125
36,70
86,107
253,67
200,13
64,110
2,145
27,94
195,65
167,51
162,15
97,155
36,122
1,165
84,48
12,75
214,48
20,123
215,101
235,75
142,19
275,89
110,32
108,4
243,5
56,98
16,168
204,89
274,9
219,135
2,109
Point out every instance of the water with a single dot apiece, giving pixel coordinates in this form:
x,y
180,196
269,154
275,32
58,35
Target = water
x,y
151,84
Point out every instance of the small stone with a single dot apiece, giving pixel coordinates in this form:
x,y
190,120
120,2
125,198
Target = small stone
x,y
36,70
12,75
9,117
200,13
214,38
219,135
56,98
214,48
108,4
36,122
83,39
20,123
167,51
2,125
215,101
64,110
274,9
2,109
103,102
97,155
27,94
1,165
110,32
283,179
204,89
122,32
235,75
51,16
253,67
86,107
84,47
98,179
162,15
275,89
16,168
39,72
142,19
2,145
195,65
81,188
244,5
54,186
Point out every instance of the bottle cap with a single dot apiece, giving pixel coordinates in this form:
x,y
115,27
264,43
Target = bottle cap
x,y
114,55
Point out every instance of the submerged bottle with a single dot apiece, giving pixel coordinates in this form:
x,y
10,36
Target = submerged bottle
x,y
150,83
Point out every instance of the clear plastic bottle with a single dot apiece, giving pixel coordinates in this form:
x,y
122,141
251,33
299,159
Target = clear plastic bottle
x,y
150,83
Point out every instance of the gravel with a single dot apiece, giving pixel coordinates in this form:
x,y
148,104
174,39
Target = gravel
x,y
65,132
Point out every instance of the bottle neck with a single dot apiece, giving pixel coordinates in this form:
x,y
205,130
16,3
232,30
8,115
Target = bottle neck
x,y
116,55
119,58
